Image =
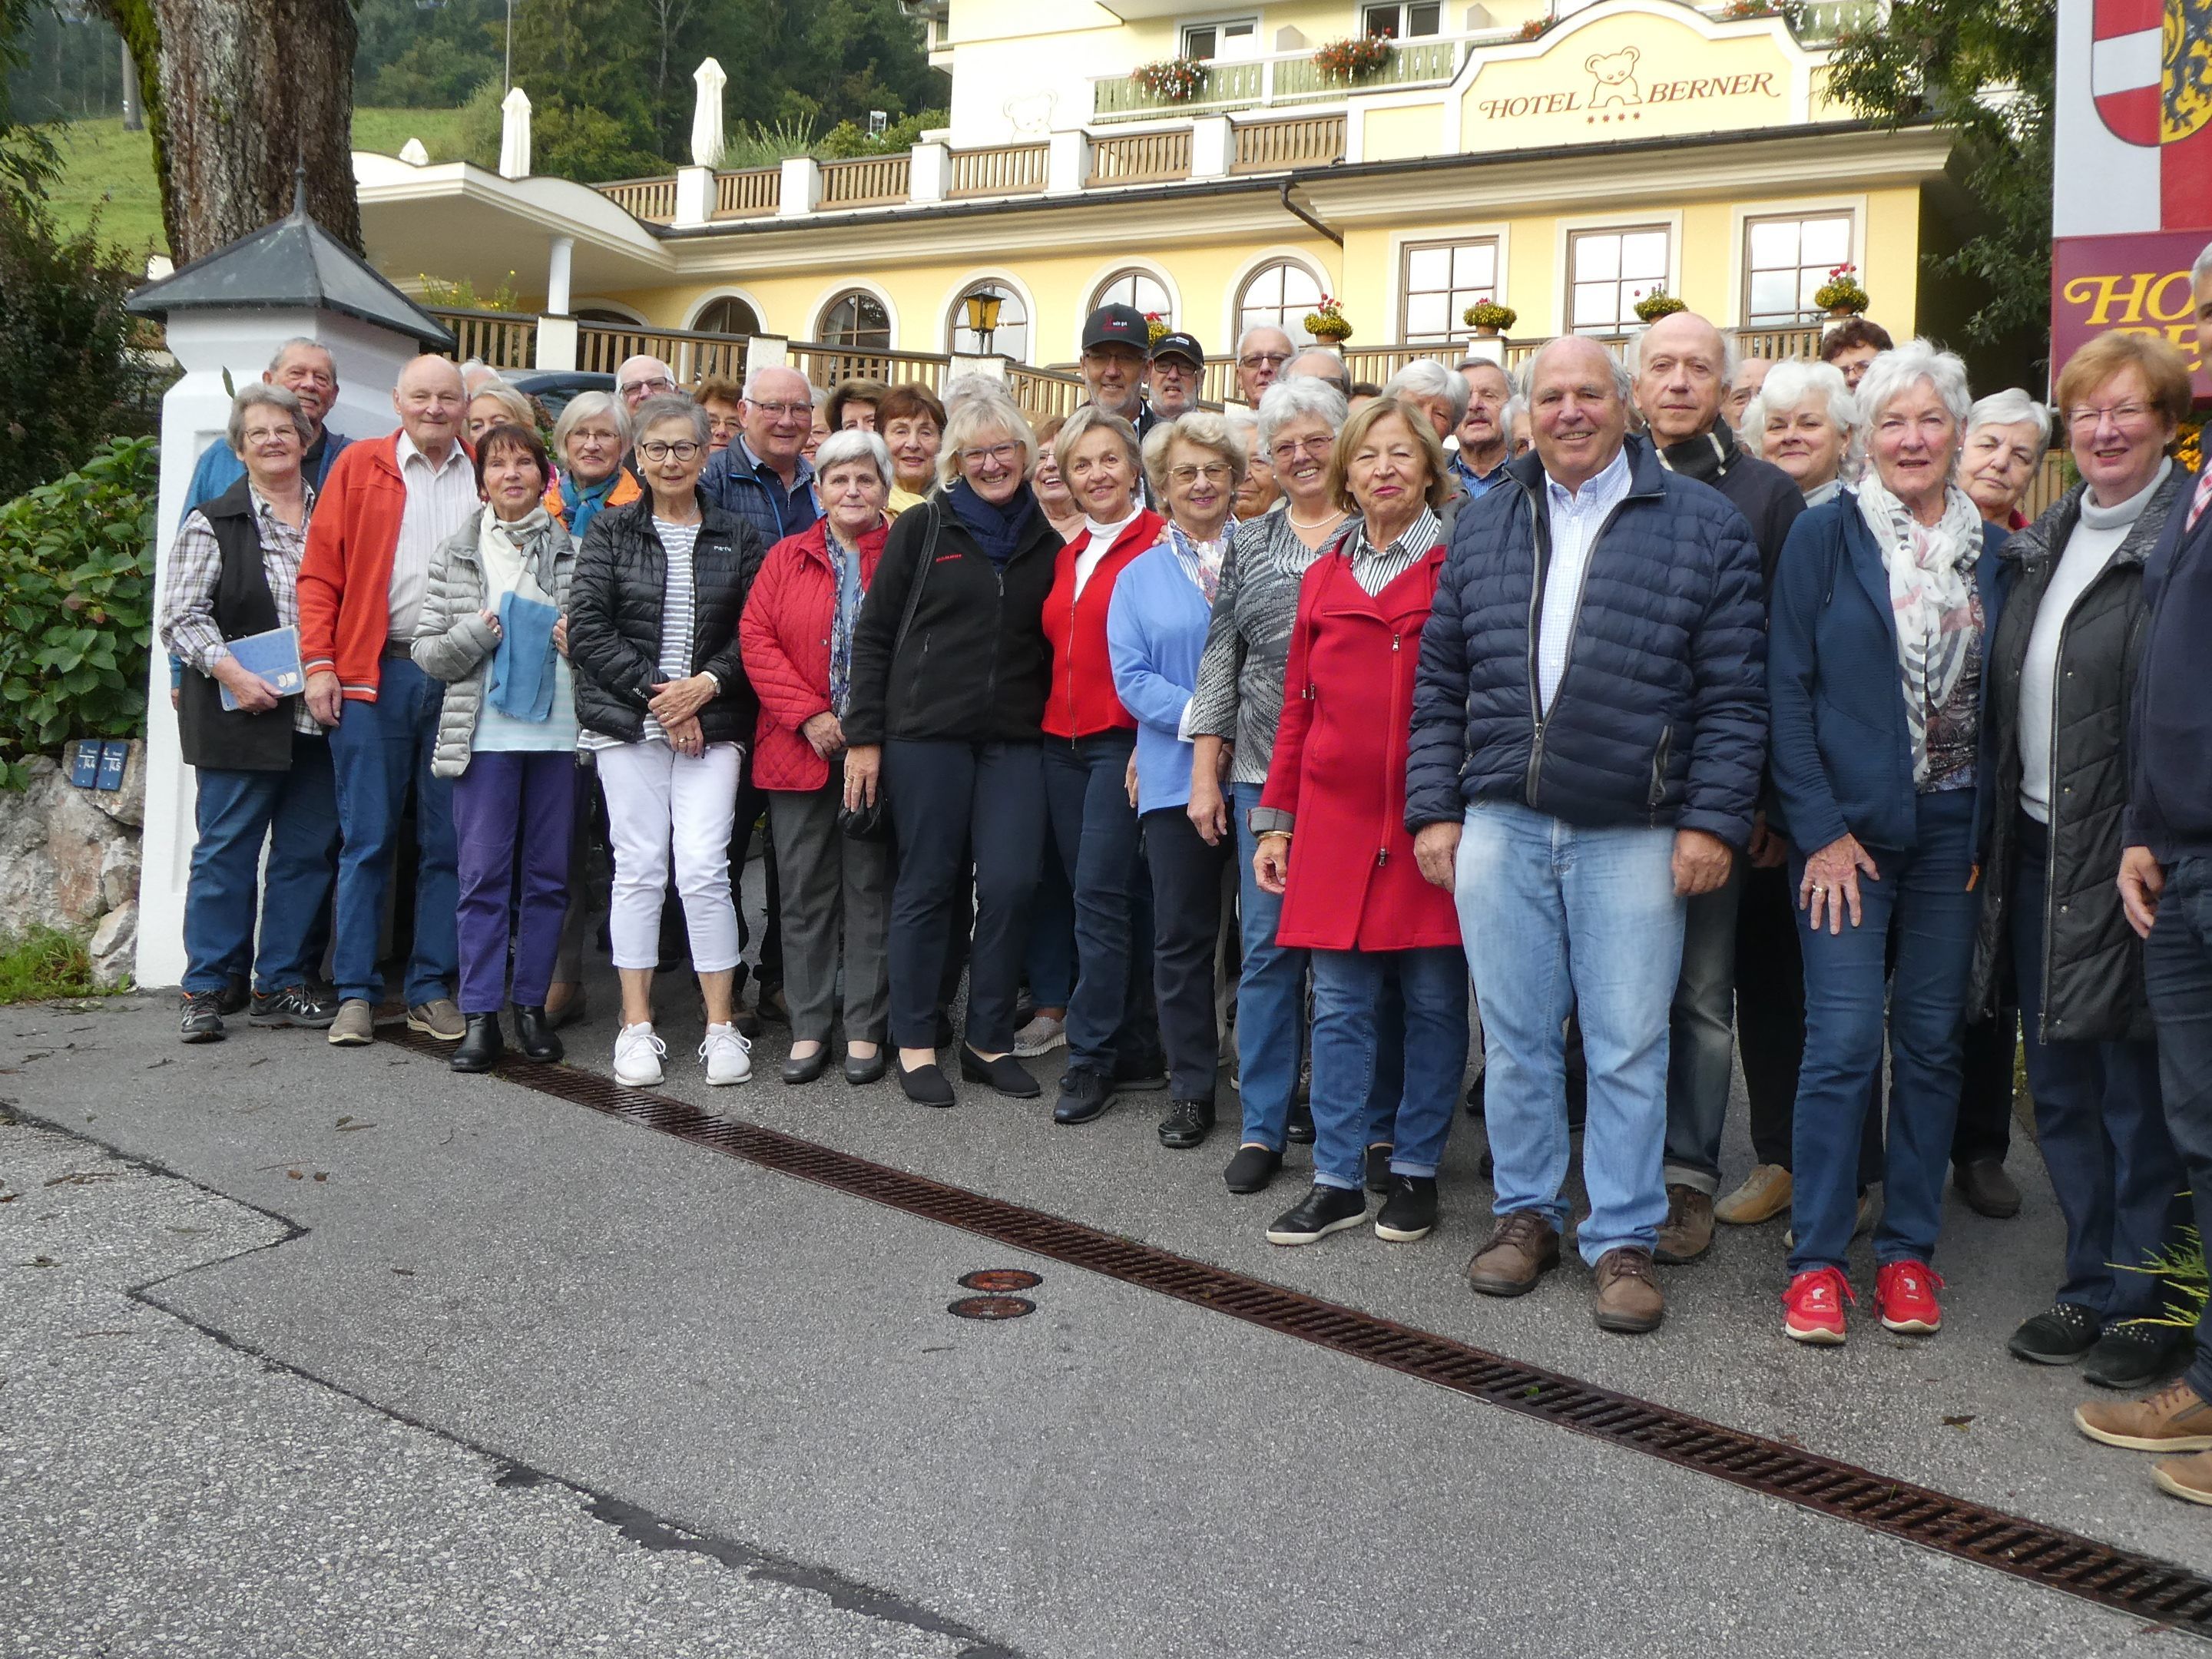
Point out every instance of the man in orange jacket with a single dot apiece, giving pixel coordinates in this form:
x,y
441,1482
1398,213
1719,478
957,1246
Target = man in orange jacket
x,y
387,505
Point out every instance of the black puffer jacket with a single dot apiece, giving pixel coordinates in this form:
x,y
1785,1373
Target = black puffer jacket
x,y
2093,988
614,620
974,667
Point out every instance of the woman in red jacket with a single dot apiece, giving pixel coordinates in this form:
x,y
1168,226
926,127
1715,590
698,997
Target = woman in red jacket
x,y
1333,841
797,638
1089,741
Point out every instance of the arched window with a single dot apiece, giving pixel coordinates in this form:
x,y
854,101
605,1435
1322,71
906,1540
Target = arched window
x,y
1010,338
728,315
1279,295
855,319
1140,289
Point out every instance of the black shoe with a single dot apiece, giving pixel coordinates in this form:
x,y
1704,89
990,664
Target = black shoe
x,y
1322,1211
770,1006
748,1023
2133,1357
1474,1094
1299,1131
1005,1074
1378,1168
944,1029
1252,1168
533,1034
1083,1094
1187,1124
2058,1337
1140,1073
295,1005
806,1070
1410,1211
1578,1092
199,1017
1987,1188
925,1085
481,1044
858,1071
234,998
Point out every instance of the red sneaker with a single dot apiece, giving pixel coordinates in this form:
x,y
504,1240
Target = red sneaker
x,y
1905,1297
1813,1307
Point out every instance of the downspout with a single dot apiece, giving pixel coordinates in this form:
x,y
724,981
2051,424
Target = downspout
x,y
1295,210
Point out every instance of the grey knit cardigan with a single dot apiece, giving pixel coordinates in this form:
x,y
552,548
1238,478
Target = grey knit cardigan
x,y
452,642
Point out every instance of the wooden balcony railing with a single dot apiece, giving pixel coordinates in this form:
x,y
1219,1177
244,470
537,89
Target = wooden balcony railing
x,y
748,193
653,200
826,362
1003,170
1305,141
501,339
1141,158
867,181
695,356
1045,392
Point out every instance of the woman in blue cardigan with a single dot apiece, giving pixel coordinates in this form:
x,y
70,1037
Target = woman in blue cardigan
x,y
1155,635
1884,601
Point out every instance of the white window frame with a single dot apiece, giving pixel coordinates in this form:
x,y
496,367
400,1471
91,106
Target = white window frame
x,y
1241,283
1402,248
1402,7
1568,230
1806,207
1249,19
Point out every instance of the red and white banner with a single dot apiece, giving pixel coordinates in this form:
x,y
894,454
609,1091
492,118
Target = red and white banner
x,y
2135,116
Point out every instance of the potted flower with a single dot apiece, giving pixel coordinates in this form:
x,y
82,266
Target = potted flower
x,y
1659,303
1354,59
1326,323
1488,318
1533,29
1155,325
1171,80
1841,296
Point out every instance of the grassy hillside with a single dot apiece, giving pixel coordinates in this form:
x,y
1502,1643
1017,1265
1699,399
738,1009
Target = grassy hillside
x,y
109,172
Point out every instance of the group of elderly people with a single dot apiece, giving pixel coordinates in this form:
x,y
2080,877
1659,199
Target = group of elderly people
x,y
1611,728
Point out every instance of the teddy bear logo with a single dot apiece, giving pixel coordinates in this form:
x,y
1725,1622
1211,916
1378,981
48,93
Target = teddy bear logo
x,y
1614,76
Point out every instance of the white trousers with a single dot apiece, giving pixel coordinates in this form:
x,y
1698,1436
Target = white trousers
x,y
656,800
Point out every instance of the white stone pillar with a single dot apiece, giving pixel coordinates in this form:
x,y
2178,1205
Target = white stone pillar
x,y
695,196
929,174
767,351
560,258
514,135
802,187
1068,163
556,343
1212,147
963,362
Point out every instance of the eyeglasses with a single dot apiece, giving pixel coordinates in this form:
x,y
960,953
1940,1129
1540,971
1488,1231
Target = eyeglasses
x,y
1000,453
657,451
664,384
1264,360
780,411
1291,448
2085,419
1212,472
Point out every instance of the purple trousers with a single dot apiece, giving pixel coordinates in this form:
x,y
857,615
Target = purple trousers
x,y
511,811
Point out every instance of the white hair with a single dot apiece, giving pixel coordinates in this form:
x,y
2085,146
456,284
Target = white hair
x,y
1290,400
1426,377
1624,383
1264,328
986,411
303,342
841,448
2202,268
1797,380
583,407
753,379
1340,377
258,394
1897,371
2012,407
968,383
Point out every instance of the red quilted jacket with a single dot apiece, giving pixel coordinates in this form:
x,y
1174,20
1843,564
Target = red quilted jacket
x,y
784,636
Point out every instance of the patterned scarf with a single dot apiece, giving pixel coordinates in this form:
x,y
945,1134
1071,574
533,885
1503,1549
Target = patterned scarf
x,y
1932,593
1201,561
844,568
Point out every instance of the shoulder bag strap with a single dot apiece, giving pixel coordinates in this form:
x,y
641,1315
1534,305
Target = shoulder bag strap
x,y
921,576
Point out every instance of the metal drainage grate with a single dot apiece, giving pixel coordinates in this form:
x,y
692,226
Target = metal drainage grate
x,y
2140,1586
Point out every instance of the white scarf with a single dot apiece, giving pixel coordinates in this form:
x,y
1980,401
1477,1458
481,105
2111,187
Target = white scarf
x,y
1932,594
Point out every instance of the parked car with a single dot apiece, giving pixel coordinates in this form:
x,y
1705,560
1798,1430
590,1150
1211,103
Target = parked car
x,y
552,388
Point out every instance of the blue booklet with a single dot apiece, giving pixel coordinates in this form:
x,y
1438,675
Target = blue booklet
x,y
275,656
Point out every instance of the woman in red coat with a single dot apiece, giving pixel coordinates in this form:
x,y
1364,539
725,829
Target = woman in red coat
x,y
797,637
1333,841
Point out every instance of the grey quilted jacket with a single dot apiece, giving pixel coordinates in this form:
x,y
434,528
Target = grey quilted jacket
x,y
454,643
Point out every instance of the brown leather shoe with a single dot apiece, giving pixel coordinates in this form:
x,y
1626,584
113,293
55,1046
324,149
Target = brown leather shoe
x,y
2187,1478
1687,1232
1764,1195
1523,1247
1628,1299
2171,1421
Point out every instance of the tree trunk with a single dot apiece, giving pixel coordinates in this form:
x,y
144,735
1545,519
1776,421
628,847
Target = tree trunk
x,y
242,91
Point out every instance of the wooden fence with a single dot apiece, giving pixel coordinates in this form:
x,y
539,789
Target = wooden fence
x,y
867,181
1002,170
748,193
653,200
1306,141
1141,158
693,355
502,339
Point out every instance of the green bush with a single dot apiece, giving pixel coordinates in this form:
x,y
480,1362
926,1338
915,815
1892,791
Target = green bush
x,y
41,965
848,138
76,604
566,141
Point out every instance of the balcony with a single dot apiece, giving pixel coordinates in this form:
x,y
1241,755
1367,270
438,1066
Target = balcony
x,y
1285,78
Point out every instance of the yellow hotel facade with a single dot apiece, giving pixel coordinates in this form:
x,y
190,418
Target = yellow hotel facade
x,y
1562,159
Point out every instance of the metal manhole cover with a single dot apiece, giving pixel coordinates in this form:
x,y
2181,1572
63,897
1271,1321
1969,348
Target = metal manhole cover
x,y
990,1307
999,1281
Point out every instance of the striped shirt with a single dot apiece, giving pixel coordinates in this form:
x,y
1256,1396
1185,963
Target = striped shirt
x,y
1375,569
678,607
440,499
1576,516
188,626
1239,697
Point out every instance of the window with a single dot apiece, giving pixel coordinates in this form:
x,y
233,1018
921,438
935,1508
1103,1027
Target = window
x,y
728,315
1279,295
1442,280
1140,289
1402,22
1011,337
1612,270
1237,39
1785,260
855,319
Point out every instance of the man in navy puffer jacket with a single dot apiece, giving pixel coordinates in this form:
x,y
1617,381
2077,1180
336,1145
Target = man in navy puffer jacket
x,y
1591,712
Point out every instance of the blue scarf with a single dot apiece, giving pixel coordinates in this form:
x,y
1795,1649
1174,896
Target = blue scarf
x,y
581,505
998,529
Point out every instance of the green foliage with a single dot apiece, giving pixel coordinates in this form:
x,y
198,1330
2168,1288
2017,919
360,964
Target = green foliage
x,y
580,143
2187,1283
415,56
1985,69
848,138
41,965
463,296
76,602
759,144
68,379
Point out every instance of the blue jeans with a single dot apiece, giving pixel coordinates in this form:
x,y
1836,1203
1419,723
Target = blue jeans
x,y
296,811
2178,975
1095,828
2102,1132
1352,1011
1555,918
1925,896
378,749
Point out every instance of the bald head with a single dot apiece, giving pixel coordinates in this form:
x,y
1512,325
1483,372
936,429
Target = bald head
x,y
429,400
642,376
1578,404
1682,370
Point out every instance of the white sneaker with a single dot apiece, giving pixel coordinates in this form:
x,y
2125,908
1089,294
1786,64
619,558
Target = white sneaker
x,y
638,1056
727,1055
1040,1036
